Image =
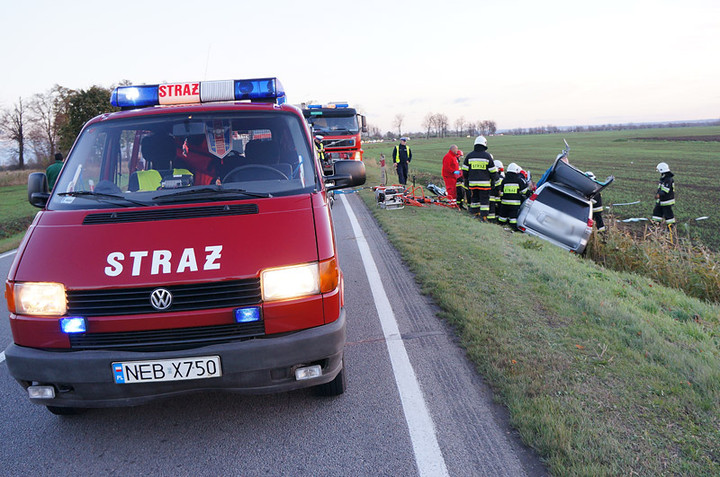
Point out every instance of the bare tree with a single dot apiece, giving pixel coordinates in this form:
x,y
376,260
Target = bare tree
x,y
397,123
459,125
13,123
492,127
48,113
428,124
471,129
374,131
442,124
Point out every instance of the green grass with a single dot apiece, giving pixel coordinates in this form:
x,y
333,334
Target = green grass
x,y
16,214
624,154
604,373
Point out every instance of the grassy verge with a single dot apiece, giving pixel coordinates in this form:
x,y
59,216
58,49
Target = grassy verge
x,y
604,373
15,211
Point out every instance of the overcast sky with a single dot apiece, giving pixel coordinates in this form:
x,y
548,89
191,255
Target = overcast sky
x,y
521,63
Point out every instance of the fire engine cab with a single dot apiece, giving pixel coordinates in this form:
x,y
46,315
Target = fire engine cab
x,y
187,245
340,127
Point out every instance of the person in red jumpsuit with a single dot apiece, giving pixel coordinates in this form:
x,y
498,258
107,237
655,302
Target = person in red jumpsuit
x,y
450,173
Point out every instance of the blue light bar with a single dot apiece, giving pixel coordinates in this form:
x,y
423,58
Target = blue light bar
x,y
261,89
314,106
341,105
247,314
134,96
73,324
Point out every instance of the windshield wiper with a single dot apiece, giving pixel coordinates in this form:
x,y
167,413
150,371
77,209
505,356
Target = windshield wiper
x,y
87,194
208,193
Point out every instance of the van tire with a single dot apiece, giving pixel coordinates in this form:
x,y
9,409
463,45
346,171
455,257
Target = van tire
x,y
336,387
63,411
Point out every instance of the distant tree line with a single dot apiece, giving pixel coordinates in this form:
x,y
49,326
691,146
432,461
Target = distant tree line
x,y
436,125
49,122
610,127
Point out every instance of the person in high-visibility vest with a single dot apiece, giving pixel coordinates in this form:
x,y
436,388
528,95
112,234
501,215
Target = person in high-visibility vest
x,y
480,174
514,190
402,155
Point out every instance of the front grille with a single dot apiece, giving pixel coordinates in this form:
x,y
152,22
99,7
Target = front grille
x,y
170,214
133,301
334,144
167,339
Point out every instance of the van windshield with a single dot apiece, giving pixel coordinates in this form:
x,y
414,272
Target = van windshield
x,y
206,156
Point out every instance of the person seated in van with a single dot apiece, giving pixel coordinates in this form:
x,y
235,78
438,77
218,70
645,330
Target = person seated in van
x,y
160,151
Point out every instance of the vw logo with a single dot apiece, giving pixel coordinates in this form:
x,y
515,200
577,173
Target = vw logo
x,y
161,299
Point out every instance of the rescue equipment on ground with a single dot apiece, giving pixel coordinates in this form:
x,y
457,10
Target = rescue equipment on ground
x,y
389,197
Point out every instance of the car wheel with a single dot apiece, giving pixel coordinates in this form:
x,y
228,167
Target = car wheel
x,y
336,387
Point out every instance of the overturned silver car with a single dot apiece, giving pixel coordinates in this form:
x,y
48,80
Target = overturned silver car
x,y
561,209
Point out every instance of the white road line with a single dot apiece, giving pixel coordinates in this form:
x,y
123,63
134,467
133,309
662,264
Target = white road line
x,y
2,356
7,254
428,457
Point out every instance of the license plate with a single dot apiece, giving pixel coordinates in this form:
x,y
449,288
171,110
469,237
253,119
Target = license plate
x,y
179,369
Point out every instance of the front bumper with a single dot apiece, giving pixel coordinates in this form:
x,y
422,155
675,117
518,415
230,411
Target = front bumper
x,y
255,366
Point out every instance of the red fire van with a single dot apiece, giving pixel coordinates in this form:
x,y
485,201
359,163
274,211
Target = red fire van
x,y
187,245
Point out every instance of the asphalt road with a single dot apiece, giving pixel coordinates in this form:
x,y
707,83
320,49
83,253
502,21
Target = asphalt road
x,y
414,404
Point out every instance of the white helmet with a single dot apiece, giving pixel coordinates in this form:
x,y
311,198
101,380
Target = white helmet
x,y
512,167
590,175
481,140
499,165
662,168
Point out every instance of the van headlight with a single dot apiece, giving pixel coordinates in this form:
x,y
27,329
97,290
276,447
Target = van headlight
x,y
39,298
290,282
300,280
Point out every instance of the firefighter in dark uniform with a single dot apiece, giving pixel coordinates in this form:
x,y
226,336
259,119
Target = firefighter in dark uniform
x,y
402,155
495,192
480,175
597,207
665,196
514,191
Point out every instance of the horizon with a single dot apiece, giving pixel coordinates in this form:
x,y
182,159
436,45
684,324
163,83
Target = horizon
x,y
520,63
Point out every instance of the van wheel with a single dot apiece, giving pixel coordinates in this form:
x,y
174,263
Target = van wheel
x,y
63,411
336,387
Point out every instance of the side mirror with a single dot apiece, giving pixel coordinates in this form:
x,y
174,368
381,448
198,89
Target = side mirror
x,y
346,174
38,194
363,124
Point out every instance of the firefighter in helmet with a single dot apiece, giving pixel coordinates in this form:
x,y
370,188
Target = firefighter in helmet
x,y
665,196
495,192
480,174
514,190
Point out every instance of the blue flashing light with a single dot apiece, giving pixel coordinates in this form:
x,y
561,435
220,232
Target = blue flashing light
x,y
134,96
247,315
73,324
341,105
314,106
260,89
